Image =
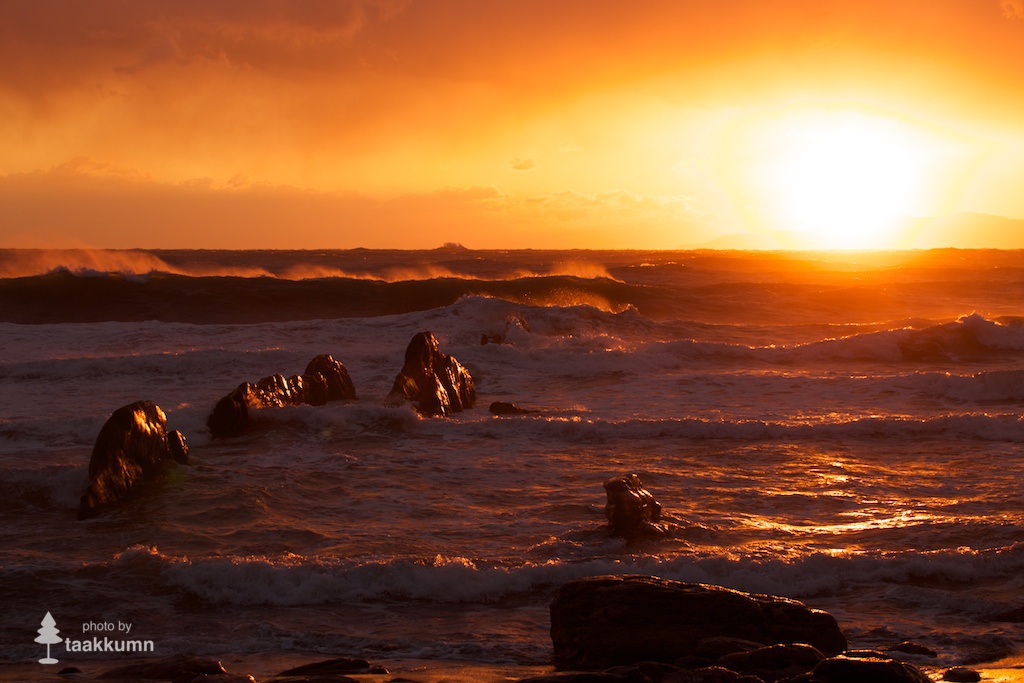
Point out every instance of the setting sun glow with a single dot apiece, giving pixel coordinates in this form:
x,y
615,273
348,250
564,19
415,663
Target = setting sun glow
x,y
841,180
513,124
846,183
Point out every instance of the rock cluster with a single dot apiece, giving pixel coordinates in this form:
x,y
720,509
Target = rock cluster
x,y
135,439
129,449
628,629
435,383
325,379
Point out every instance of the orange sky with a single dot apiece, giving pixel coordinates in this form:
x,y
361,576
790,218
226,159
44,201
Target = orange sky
x,y
511,123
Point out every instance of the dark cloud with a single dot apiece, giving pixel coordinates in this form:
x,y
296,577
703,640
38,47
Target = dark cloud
x,y
64,43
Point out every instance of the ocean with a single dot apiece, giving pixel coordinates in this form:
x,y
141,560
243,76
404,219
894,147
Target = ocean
x,y
844,429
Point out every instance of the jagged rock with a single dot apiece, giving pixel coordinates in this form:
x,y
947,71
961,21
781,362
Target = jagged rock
x,y
325,379
437,384
167,668
853,667
128,450
336,377
774,662
605,621
631,509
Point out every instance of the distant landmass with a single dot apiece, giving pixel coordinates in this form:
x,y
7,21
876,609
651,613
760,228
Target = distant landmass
x,y
966,231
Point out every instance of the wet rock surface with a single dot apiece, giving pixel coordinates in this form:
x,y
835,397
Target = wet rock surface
x,y
325,379
435,383
130,448
631,509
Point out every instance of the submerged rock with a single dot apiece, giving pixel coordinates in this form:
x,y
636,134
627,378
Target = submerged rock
x,y
437,384
167,669
129,449
605,621
631,510
325,379
506,408
341,665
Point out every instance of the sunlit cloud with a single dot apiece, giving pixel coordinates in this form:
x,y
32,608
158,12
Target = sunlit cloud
x,y
520,164
554,104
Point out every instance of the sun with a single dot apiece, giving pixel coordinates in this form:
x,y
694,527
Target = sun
x,y
842,179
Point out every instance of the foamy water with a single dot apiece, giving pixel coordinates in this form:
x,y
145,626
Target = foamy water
x,y
868,465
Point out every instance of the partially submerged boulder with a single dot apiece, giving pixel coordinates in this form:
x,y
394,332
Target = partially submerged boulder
x,y
435,383
325,379
506,408
129,449
631,509
606,621
167,669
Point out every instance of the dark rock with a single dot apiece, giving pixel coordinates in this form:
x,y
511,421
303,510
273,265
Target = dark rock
x,y
325,678
341,665
913,649
231,414
325,379
708,674
643,672
486,339
167,668
775,662
857,667
1015,615
437,384
215,678
503,408
713,649
336,377
577,677
69,670
631,509
790,621
606,621
129,449
961,675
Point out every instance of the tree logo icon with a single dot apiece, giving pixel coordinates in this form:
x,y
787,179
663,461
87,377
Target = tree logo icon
x,y
48,636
